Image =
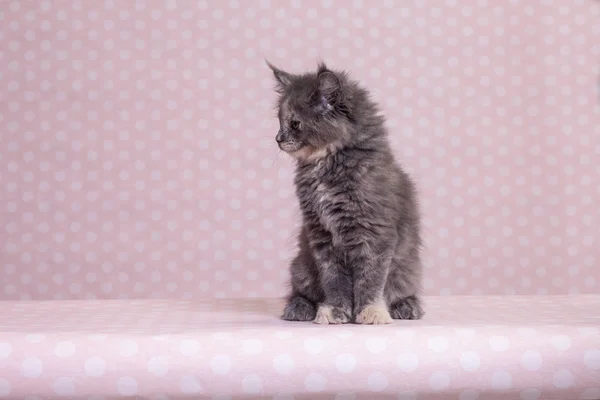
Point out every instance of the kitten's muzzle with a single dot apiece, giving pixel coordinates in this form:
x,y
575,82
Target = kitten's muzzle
x,y
287,142
280,137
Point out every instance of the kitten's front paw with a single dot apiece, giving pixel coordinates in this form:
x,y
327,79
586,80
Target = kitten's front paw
x,y
299,309
331,315
374,315
407,308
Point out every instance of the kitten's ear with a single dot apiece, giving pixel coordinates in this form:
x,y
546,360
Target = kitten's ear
x,y
330,85
283,78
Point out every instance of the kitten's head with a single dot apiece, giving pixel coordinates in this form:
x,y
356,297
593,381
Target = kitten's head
x,y
314,112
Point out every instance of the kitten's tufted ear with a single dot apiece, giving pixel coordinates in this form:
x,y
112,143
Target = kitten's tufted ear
x,y
330,85
283,78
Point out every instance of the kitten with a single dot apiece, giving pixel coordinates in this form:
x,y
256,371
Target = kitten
x,y
359,244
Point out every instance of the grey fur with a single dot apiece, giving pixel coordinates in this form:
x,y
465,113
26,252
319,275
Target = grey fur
x,y
359,246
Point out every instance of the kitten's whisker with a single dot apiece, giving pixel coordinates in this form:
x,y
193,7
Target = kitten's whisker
x,y
277,158
273,160
266,140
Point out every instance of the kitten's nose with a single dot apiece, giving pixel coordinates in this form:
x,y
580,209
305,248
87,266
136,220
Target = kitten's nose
x,y
279,137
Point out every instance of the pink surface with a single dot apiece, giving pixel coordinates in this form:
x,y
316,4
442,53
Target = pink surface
x,y
466,348
137,152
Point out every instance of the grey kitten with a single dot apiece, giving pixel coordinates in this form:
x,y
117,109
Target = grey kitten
x,y
359,245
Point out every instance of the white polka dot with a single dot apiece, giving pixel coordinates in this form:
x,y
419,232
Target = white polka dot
x,y
5,387
591,359
408,362
127,348
561,342
345,363
439,381
189,347
221,365
5,350
314,382
530,394
499,343
190,385
252,346
470,361
95,366
563,379
314,345
252,384
31,367
283,363
64,349
376,344
158,365
34,338
531,360
377,382
501,380
438,344
64,387
127,386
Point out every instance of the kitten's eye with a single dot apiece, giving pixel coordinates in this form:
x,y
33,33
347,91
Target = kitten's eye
x,y
295,125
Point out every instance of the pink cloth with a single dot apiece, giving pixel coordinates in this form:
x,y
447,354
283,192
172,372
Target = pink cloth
x,y
465,348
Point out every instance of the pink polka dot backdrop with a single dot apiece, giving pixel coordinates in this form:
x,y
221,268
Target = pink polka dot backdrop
x,y
138,157
138,166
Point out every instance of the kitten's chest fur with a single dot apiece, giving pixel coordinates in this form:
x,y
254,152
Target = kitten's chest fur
x,y
328,195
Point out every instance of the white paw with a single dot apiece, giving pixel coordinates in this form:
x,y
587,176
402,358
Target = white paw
x,y
326,315
374,315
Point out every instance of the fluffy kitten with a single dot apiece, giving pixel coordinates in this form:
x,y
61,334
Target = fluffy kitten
x,y
358,258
